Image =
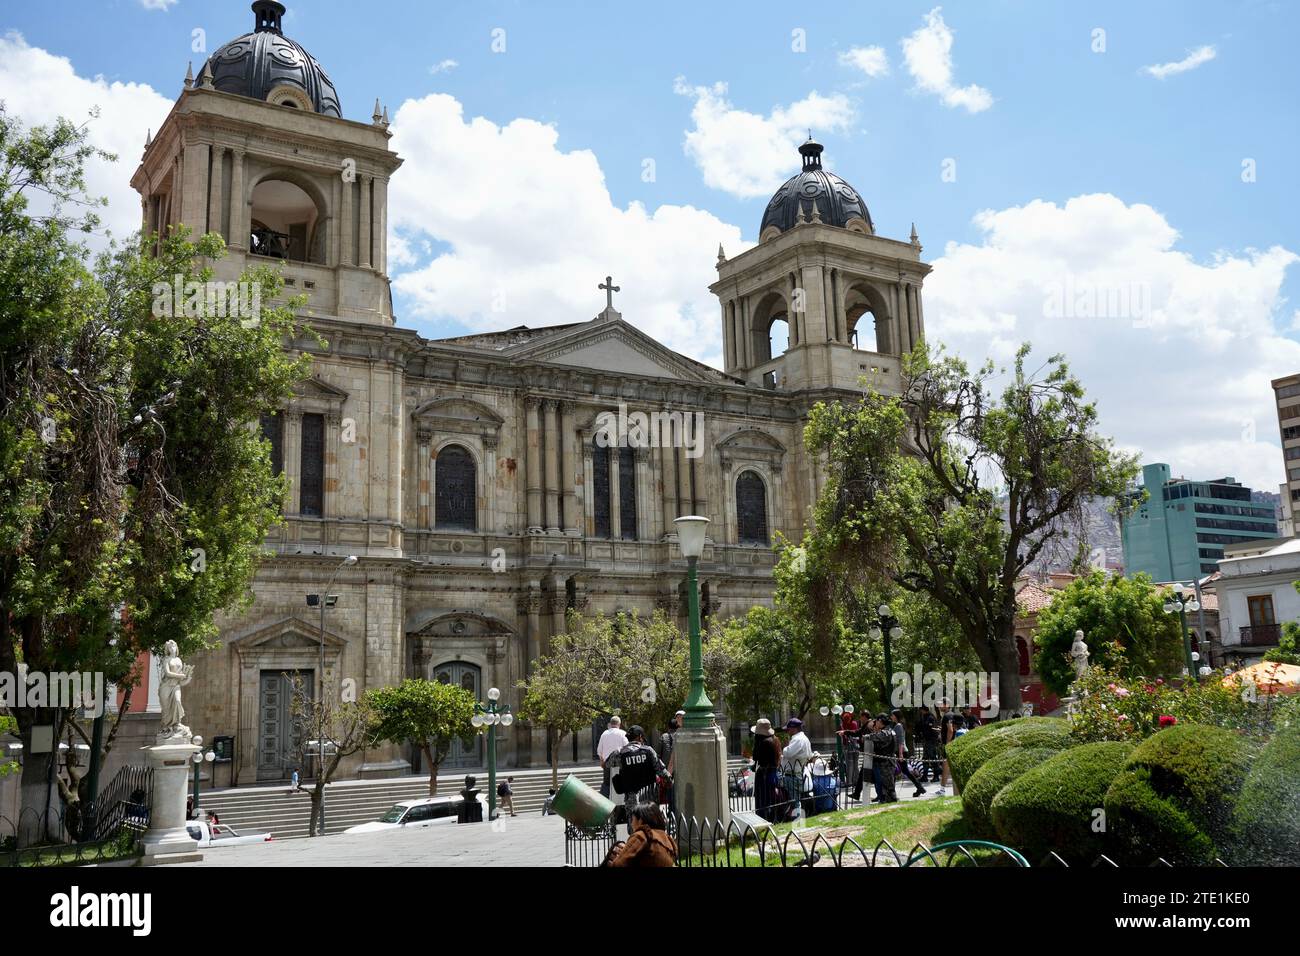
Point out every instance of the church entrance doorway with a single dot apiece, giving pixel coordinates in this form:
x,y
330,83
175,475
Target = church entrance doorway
x,y
279,735
470,677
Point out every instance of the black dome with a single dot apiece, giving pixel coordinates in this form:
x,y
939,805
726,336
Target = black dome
x,y
265,60
837,202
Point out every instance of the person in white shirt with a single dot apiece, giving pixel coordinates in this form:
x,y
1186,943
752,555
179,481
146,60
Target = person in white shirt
x,y
611,742
794,759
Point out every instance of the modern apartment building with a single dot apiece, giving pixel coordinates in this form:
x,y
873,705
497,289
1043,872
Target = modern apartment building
x,y
1179,532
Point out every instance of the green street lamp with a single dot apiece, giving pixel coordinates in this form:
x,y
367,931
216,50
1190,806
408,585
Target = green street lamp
x,y
1180,602
690,538
889,629
200,758
487,717
838,709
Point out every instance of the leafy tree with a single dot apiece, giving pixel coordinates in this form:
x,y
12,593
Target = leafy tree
x,y
633,666
1288,645
134,496
555,698
1113,612
427,714
345,726
950,491
7,726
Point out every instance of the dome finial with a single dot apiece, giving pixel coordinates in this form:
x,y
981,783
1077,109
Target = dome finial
x,y
811,151
267,15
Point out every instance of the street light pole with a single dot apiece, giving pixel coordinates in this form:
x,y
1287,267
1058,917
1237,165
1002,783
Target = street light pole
x,y
199,759
889,629
489,715
1180,602
350,560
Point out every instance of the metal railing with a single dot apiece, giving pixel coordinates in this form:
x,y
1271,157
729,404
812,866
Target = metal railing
x,y
128,796
1260,635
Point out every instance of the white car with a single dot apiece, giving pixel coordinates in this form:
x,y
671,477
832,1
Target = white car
x,y
218,834
416,814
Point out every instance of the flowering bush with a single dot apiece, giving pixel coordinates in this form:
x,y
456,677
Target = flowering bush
x,y
1111,707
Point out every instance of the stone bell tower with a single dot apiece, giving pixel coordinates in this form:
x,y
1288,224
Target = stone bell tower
x,y
849,299
257,149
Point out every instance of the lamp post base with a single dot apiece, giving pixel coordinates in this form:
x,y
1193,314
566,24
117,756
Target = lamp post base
x,y
700,784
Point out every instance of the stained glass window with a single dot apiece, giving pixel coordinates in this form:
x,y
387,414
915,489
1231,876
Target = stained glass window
x,y
456,491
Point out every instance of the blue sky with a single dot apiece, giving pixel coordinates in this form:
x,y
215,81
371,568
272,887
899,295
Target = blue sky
x,y
624,82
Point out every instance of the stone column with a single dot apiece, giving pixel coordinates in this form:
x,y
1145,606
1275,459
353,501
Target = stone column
x,y
685,497
533,465
920,316
364,213
424,490
293,457
615,493
572,521
215,201
347,225
700,476
167,840
664,462
238,238
552,433
913,316
380,204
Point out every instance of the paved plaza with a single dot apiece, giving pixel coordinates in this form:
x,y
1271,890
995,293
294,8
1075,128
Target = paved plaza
x,y
532,840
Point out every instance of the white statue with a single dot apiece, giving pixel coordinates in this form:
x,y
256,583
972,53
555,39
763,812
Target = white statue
x,y
1079,655
175,675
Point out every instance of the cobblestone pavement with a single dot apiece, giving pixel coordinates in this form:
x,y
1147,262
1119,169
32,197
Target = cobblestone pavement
x,y
531,840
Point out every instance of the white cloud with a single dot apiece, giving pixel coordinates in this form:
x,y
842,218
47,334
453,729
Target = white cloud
x,y
443,66
39,87
1177,353
928,54
163,5
1195,58
525,225
870,60
747,154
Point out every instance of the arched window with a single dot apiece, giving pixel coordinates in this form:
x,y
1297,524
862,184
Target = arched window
x,y
863,334
627,493
751,509
456,490
600,487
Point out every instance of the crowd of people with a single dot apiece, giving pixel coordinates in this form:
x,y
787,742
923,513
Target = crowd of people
x,y
782,773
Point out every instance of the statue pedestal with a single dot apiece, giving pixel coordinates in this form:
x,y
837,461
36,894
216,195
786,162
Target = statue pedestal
x,y
700,783
167,840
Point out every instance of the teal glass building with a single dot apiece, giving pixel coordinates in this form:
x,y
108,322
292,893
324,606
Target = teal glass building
x,y
1179,532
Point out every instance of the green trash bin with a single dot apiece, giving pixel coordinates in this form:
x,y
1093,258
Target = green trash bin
x,y
581,805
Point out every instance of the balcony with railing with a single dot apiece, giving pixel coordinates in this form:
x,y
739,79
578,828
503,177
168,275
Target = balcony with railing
x,y
1260,635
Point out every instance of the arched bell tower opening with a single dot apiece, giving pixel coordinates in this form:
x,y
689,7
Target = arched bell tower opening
x,y
286,222
850,298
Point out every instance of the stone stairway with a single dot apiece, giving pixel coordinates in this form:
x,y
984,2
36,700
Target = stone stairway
x,y
348,803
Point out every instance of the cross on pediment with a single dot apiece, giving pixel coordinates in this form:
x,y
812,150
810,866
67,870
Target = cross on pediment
x,y
610,289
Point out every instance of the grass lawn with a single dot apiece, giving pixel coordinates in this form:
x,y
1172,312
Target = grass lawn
x,y
905,824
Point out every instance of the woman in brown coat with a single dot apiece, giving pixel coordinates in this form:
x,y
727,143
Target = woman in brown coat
x,y
649,845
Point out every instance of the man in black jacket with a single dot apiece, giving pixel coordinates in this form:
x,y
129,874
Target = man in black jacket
x,y
635,771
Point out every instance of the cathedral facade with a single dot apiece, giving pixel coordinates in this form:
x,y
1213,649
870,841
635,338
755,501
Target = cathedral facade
x,y
473,477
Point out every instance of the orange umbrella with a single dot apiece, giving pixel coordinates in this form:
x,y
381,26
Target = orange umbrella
x,y
1270,677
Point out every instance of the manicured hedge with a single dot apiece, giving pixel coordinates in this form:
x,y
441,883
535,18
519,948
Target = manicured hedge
x,y
969,752
1268,812
997,772
1054,806
1177,796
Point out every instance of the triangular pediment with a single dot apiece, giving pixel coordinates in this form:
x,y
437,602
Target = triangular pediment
x,y
613,345
287,633
315,388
